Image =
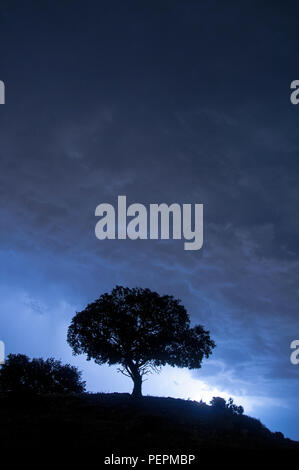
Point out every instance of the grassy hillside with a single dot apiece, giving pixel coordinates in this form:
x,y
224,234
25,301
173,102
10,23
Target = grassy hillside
x,y
102,424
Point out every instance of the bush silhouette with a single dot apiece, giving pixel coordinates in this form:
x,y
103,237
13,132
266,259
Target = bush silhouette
x,y
220,404
235,409
19,374
141,331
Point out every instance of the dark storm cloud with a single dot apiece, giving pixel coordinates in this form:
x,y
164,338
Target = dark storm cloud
x,y
185,103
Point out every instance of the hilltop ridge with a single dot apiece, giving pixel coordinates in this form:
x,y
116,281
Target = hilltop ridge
x,y
116,424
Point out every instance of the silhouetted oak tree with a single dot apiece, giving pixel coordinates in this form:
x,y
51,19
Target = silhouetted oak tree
x,y
140,330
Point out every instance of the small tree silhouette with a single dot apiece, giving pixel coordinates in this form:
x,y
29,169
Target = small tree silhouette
x,y
220,404
141,331
235,409
19,374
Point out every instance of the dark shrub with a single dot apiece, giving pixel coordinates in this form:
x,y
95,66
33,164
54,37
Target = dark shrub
x,y
19,374
218,403
235,409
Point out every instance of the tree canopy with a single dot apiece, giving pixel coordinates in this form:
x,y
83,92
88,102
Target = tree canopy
x,y
140,330
220,404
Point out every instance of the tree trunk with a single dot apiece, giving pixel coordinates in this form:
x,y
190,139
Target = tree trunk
x,y
137,379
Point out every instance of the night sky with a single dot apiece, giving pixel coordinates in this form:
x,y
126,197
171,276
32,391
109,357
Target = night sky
x,y
161,101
